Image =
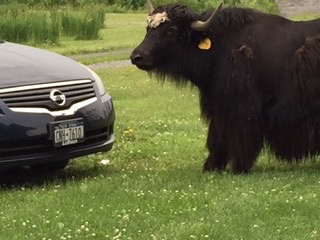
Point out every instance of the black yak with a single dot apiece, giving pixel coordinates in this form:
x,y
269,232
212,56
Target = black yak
x,y
258,76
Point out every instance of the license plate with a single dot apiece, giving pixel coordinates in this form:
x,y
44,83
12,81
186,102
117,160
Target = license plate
x,y
69,132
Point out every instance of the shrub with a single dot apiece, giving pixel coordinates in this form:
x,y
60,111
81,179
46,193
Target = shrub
x,y
29,26
39,26
266,5
84,25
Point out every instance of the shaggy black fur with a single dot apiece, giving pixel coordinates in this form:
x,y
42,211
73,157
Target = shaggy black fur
x,y
259,81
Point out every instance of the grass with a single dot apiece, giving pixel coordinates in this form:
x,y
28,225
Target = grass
x,y
121,31
153,188
305,16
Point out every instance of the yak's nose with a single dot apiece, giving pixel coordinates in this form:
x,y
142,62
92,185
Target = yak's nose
x,y
135,58
141,60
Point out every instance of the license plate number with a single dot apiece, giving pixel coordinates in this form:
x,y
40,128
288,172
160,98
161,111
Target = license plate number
x,y
67,132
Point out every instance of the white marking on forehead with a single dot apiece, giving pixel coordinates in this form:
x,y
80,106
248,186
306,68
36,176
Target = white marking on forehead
x,y
156,19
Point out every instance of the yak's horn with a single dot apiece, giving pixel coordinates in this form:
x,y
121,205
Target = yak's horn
x,y
149,6
205,26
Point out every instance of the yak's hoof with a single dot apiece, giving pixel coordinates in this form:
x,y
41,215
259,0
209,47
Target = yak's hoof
x,y
210,166
241,171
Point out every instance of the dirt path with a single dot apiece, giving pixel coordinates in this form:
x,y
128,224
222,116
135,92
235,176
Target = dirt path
x,y
113,64
288,8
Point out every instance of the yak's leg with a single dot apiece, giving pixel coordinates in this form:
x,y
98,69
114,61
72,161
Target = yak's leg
x,y
218,154
245,152
244,134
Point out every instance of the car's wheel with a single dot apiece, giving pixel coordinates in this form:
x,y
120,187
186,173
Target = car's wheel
x,y
51,167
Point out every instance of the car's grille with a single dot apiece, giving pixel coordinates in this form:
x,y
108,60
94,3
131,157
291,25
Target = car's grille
x,y
38,96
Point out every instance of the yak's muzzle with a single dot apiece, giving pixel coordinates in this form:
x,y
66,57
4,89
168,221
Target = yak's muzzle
x,y
141,60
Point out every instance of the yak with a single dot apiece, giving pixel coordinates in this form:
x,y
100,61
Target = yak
x,y
258,76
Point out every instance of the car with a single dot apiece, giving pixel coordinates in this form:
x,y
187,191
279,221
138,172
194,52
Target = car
x,y
52,109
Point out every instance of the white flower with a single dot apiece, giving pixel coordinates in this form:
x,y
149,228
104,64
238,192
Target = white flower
x,y
104,162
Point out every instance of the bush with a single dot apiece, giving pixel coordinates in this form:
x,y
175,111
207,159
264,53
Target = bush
x,y
30,25
38,21
83,25
265,5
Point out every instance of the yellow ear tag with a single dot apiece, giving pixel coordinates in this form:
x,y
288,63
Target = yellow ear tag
x,y
205,44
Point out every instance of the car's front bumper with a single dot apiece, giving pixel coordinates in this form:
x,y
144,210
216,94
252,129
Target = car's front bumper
x,y
25,137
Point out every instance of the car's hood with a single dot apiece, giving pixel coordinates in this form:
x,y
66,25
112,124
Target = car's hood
x,y
23,65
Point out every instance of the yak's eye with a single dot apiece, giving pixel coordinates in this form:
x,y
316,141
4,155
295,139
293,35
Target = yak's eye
x,y
172,31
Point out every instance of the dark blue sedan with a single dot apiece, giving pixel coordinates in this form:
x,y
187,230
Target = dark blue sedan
x,y
52,109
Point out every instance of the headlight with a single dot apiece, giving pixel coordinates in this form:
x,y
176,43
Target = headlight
x,y
98,81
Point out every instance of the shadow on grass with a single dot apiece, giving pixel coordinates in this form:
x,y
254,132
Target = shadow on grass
x,y
280,166
29,178
276,167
